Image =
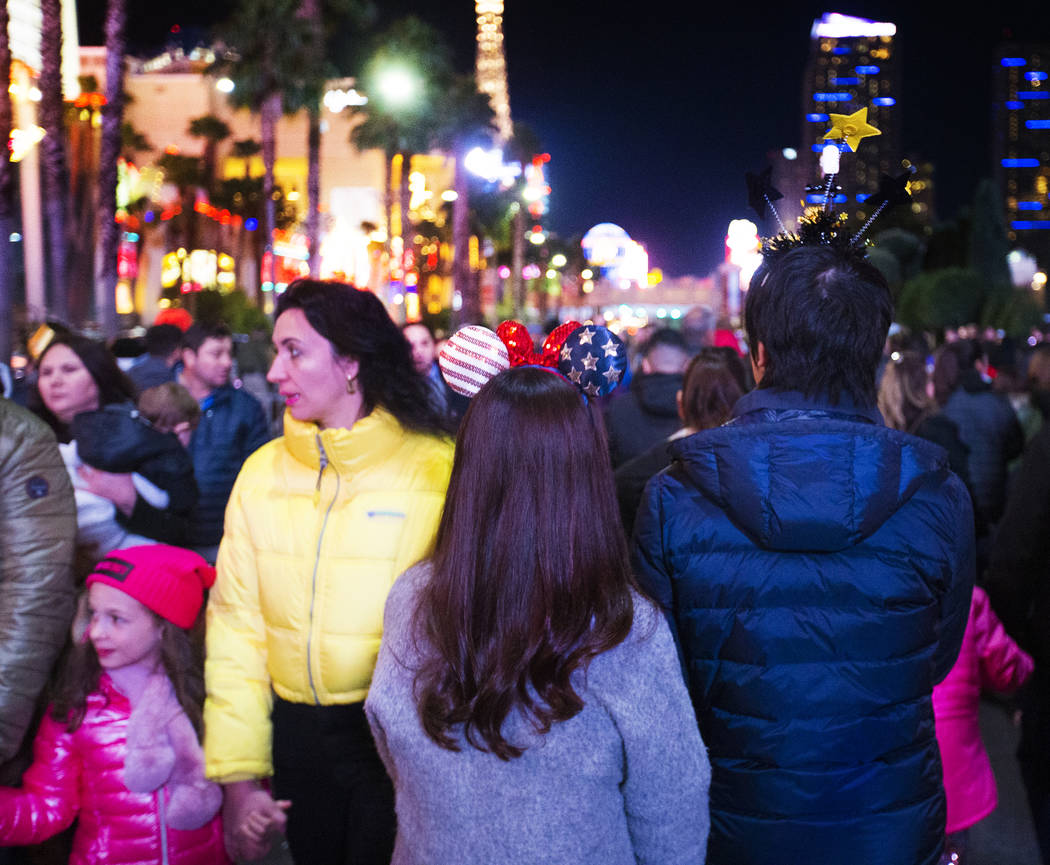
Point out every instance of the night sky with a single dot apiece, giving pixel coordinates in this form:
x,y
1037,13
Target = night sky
x,y
652,118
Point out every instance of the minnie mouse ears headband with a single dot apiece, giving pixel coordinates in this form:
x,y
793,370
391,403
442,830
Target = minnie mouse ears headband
x,y
592,357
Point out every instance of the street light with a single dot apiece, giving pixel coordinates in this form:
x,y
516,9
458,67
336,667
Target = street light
x,y
399,86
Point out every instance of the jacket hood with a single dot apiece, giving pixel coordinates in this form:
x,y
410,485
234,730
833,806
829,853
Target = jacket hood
x,y
813,477
656,393
117,438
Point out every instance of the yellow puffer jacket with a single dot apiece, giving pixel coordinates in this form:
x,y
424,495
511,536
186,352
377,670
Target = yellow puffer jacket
x,y
319,525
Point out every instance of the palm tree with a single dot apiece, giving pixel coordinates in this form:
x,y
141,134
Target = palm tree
x,y
109,152
522,147
310,10
213,130
184,173
466,120
245,149
402,124
266,42
7,199
53,147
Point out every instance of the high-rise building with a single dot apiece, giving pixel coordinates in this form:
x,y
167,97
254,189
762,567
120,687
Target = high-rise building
x,y
1022,144
853,64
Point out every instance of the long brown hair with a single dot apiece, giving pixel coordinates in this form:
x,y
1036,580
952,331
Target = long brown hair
x,y
710,388
903,400
181,657
530,571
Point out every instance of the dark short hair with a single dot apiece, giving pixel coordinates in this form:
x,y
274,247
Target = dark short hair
x,y
422,324
198,332
664,337
357,326
516,603
163,339
822,314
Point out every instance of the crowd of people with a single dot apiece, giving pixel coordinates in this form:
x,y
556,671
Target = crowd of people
x,y
727,613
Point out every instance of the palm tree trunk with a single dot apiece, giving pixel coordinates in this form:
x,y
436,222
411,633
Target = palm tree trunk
x,y
7,202
313,191
463,280
311,11
112,118
268,115
56,175
405,201
517,262
388,196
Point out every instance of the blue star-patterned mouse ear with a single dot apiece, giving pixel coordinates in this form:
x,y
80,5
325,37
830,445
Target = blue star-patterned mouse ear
x,y
594,359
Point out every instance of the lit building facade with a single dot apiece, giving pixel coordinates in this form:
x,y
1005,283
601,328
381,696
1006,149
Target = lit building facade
x,y
170,90
1022,144
853,64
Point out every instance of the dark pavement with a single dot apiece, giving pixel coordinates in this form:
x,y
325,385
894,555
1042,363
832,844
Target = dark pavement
x,y
1006,836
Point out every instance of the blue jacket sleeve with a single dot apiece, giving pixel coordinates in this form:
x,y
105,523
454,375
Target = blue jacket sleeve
x,y
955,602
648,555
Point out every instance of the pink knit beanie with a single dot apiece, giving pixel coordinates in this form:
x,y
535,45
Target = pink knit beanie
x,y
169,580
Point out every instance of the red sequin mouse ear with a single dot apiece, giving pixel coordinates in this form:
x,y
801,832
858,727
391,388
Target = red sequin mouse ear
x,y
518,341
472,356
553,343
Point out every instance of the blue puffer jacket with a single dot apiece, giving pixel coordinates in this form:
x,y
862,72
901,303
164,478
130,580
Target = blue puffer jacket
x,y
818,568
231,429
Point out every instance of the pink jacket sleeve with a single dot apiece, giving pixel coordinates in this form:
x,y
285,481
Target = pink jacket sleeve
x,y
1004,665
49,798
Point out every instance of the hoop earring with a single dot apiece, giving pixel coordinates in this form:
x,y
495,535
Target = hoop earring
x,y
351,384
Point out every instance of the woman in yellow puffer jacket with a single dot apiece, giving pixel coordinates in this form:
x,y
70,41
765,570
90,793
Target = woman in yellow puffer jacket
x,y
320,523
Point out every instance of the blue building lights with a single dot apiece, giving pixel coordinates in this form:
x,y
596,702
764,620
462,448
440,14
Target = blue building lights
x,y
862,197
885,101
867,70
1014,104
1035,76
1020,163
831,97
1029,205
1030,224
1037,124
1033,94
818,198
817,118
1013,61
840,49
843,82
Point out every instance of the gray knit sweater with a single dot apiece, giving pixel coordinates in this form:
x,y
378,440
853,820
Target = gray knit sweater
x,y
625,781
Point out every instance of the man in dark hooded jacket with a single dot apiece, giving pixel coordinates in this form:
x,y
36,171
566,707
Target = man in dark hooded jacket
x,y
647,412
817,569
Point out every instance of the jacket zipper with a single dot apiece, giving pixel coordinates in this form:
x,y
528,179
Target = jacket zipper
x,y
161,808
317,563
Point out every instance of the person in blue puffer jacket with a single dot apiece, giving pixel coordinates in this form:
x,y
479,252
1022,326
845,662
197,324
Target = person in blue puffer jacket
x,y
816,568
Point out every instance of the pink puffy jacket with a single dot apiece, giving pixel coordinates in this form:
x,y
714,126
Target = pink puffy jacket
x,y
81,775
988,659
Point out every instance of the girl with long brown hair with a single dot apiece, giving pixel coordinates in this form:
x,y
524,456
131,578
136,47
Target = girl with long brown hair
x,y
119,750
528,701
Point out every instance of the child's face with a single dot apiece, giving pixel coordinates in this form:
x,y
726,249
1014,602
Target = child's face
x,y
122,630
183,432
